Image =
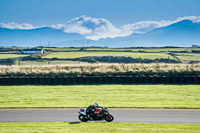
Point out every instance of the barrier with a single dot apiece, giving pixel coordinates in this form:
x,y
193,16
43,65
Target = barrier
x,y
100,80
196,80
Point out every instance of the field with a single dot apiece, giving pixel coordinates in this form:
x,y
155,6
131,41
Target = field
x,y
188,56
91,127
6,56
62,49
137,55
43,63
126,49
63,55
145,49
153,96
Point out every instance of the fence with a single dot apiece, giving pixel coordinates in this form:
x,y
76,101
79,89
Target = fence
x,y
100,80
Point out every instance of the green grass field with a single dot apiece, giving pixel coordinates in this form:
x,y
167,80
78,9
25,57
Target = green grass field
x,y
96,127
154,96
62,49
125,49
63,55
6,56
188,56
42,63
145,49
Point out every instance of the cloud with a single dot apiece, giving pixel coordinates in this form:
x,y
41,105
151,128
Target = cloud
x,y
82,25
97,28
13,25
194,19
145,26
58,26
91,28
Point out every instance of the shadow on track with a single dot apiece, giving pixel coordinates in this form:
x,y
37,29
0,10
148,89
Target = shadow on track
x,y
74,122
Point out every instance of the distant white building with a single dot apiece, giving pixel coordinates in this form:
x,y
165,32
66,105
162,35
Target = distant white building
x,y
31,51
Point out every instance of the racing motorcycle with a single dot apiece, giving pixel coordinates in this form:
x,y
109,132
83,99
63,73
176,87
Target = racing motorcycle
x,y
99,114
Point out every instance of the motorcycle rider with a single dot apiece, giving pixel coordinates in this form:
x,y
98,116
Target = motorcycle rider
x,y
91,109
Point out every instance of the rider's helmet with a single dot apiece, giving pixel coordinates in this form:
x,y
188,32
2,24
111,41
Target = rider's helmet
x,y
96,105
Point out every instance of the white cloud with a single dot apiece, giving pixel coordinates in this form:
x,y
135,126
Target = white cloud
x,y
58,26
97,28
13,25
91,28
194,19
145,26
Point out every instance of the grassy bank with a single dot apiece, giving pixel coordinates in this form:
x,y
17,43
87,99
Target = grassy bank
x,y
102,69
154,96
92,127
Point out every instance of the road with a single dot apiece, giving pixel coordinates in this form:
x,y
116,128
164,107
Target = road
x,y
178,116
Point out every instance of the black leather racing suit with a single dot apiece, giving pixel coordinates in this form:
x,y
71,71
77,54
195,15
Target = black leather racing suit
x,y
90,110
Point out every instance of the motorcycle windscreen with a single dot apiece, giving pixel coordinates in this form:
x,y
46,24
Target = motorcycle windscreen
x,y
82,110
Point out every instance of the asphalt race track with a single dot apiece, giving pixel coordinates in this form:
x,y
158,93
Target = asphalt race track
x,y
178,116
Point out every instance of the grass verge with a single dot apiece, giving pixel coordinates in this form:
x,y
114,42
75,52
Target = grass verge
x,y
91,127
147,96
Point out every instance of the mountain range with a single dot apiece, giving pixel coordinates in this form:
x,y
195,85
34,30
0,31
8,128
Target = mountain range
x,y
183,33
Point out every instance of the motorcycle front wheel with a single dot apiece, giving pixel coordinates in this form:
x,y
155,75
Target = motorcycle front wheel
x,y
109,118
82,118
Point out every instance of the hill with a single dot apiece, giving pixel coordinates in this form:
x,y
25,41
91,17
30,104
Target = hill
x,y
35,37
183,33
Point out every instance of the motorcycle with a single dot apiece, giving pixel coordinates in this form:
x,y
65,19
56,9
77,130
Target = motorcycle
x,y
99,114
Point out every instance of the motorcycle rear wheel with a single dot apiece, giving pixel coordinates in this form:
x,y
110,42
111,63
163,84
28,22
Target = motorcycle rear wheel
x,y
83,118
109,118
